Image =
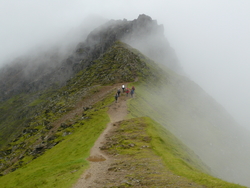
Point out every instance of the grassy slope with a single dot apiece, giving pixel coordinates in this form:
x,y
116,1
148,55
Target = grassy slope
x,y
143,131
62,165
175,155
194,117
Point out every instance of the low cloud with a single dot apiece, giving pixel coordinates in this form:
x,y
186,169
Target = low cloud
x,y
211,39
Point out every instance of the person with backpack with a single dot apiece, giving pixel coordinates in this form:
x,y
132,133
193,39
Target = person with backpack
x,y
116,97
132,92
118,92
127,91
133,88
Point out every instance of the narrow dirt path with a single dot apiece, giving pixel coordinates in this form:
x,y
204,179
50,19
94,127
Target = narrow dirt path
x,y
122,156
99,162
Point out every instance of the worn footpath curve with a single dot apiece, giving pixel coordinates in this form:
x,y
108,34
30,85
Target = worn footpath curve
x,y
122,156
99,161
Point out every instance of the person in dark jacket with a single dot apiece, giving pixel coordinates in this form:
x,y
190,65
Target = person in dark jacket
x,y
116,97
118,92
132,92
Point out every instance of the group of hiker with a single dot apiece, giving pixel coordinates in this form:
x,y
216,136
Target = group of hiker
x,y
124,90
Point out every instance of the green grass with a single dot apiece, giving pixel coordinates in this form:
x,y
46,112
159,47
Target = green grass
x,y
36,102
174,154
156,159
62,165
131,143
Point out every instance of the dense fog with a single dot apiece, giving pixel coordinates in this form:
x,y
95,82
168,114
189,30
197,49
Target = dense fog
x,y
210,38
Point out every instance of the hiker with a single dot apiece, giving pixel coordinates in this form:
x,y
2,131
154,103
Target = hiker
x,y
116,97
123,87
131,92
133,88
118,92
127,91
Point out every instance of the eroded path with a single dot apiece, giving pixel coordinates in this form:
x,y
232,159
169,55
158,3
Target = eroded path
x,y
122,156
99,161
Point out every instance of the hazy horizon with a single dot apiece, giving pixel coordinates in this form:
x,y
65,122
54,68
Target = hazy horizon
x,y
211,38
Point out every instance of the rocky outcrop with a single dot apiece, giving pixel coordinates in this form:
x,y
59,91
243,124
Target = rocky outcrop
x,y
142,33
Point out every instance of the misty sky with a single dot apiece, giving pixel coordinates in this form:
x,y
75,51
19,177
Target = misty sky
x,y
211,37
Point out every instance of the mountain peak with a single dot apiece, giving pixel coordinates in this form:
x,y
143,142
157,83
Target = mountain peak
x,y
142,33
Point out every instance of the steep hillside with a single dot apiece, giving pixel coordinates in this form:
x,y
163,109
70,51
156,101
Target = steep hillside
x,y
197,120
34,124
55,154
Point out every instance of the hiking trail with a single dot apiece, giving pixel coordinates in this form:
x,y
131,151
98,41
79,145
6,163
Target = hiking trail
x,y
135,164
99,161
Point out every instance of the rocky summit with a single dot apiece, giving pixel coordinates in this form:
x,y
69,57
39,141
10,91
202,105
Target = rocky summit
x,y
35,74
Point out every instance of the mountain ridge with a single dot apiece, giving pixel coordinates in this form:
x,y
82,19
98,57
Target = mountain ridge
x,y
28,133
55,104
62,164
27,75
